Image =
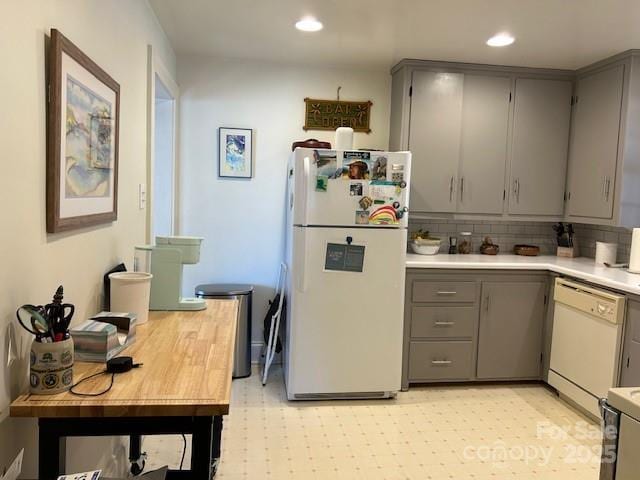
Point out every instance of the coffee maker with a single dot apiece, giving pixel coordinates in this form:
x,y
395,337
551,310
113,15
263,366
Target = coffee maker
x,y
165,261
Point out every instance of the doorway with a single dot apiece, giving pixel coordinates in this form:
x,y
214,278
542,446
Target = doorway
x,y
163,178
162,156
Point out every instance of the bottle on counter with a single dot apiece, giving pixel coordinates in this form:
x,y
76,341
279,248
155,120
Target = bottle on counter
x,y
453,245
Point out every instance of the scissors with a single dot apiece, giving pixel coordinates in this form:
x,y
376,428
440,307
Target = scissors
x,y
34,316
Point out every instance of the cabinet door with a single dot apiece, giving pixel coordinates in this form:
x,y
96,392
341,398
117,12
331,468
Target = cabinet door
x,y
630,368
540,142
434,140
510,336
485,121
628,462
594,143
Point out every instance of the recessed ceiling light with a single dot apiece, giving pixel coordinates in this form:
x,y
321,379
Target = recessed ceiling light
x,y
309,24
500,40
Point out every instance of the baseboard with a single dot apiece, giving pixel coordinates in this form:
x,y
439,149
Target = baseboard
x,y
256,351
256,354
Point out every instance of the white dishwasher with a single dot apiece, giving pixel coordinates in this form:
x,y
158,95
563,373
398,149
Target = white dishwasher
x,y
585,345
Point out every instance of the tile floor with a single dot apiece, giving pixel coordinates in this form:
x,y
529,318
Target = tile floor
x,y
477,432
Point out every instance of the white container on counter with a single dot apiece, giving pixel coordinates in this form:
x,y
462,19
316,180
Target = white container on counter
x,y
606,253
634,259
130,293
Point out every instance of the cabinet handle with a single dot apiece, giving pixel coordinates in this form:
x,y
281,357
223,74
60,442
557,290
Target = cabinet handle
x,y
441,362
518,190
446,293
607,188
487,301
451,189
443,324
461,188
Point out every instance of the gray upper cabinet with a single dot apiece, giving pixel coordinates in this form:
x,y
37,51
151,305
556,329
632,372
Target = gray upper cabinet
x,y
511,325
461,122
542,114
483,143
434,140
604,153
493,141
458,137
594,143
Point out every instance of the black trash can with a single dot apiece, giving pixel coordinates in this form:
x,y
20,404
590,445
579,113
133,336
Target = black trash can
x,y
242,293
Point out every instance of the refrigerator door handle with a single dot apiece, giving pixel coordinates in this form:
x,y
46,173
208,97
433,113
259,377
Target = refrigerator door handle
x,y
305,188
301,260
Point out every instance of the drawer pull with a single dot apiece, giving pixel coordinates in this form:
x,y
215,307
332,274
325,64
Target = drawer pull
x,y
441,362
443,324
447,293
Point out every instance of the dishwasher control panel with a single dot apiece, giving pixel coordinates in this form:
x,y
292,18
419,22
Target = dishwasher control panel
x,y
604,310
599,303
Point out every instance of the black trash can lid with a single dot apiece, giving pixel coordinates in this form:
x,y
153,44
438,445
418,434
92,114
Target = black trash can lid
x,y
221,289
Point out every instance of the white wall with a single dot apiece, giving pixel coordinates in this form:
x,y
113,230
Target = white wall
x,y
242,220
115,34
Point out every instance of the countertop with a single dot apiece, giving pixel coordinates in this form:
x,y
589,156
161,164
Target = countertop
x,y
188,361
580,268
626,399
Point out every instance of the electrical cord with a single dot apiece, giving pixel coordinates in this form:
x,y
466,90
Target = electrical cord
x,y
184,449
93,394
115,365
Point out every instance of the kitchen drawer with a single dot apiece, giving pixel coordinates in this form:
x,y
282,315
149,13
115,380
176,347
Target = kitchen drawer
x,y
440,361
448,292
443,322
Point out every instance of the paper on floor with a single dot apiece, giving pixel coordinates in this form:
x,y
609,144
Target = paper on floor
x,y
14,470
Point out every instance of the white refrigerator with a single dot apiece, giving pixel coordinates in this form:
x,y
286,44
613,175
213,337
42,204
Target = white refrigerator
x,y
345,252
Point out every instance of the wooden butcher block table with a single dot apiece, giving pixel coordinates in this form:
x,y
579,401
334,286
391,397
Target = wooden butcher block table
x,y
183,386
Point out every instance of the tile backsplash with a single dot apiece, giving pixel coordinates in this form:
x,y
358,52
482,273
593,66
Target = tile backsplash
x,y
589,234
508,234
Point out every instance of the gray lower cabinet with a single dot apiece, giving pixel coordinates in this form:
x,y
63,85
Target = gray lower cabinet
x,y
473,325
441,360
511,326
630,368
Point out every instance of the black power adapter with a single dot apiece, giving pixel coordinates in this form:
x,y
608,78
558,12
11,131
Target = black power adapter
x,y
121,365
114,366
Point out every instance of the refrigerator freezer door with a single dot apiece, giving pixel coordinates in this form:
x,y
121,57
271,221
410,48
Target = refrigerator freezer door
x,y
354,188
346,312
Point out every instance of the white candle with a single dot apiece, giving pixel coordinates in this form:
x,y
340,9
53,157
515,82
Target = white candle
x,y
344,138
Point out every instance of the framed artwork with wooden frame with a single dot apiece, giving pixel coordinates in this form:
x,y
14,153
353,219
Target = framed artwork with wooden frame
x,y
82,139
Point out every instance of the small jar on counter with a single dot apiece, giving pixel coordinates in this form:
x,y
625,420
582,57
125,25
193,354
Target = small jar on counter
x,y
465,244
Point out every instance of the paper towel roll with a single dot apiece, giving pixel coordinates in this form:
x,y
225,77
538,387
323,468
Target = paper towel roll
x,y
634,258
344,138
606,253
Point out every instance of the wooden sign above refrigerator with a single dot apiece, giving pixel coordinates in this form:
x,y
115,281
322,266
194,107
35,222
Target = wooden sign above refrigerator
x,y
331,114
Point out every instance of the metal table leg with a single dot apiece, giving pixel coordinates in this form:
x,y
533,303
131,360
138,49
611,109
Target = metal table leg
x,y
201,447
52,450
53,433
217,443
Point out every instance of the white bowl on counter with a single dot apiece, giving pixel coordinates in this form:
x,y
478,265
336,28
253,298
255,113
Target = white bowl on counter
x,y
425,247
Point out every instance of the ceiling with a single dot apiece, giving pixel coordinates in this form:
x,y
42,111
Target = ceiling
x,y
378,33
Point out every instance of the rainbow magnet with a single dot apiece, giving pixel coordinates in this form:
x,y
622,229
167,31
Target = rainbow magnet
x,y
385,215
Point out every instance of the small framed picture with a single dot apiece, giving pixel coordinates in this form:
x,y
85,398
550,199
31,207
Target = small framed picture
x,y
235,152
